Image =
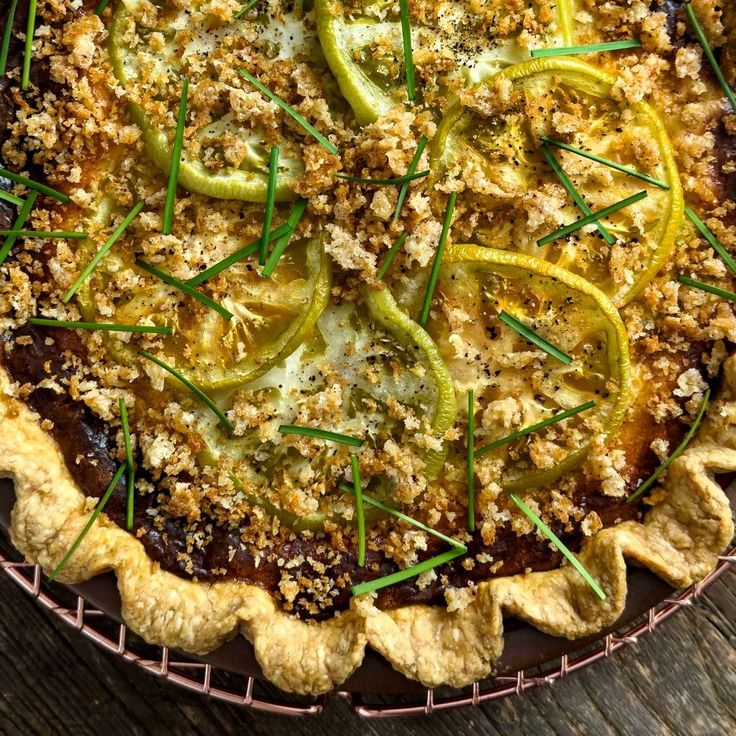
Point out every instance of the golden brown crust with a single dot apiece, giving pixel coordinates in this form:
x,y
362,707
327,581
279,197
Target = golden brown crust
x,y
680,541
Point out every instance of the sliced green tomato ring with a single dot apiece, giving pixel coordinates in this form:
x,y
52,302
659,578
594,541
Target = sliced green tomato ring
x,y
248,181
376,356
512,378
365,51
504,154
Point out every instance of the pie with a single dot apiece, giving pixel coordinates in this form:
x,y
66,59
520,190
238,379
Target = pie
x,y
339,324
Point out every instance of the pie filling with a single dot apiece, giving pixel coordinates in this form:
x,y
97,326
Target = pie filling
x,y
368,326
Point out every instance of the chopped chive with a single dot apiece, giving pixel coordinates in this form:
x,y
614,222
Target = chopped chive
x,y
590,219
535,427
281,244
28,51
330,147
412,168
593,48
323,434
7,32
470,442
714,242
36,186
707,287
395,248
359,510
184,288
573,192
129,464
408,54
45,234
709,54
385,182
25,210
102,252
102,326
98,510
557,542
11,198
239,255
647,484
434,275
408,519
273,172
101,7
168,219
397,577
605,161
245,9
529,334
201,395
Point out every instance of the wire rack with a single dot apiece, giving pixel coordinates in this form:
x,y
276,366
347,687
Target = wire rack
x,y
207,679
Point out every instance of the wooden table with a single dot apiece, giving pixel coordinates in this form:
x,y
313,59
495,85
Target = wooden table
x,y
679,680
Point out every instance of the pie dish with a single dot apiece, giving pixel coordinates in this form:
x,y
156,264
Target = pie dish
x,y
346,324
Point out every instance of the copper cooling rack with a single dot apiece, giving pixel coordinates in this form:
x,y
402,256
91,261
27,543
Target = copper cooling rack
x,y
210,680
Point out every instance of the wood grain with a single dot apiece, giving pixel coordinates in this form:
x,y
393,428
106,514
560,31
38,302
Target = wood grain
x,y
680,680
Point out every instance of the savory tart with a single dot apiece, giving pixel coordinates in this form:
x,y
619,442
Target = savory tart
x,y
340,323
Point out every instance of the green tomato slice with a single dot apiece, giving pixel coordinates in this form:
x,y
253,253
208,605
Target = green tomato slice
x,y
516,384
503,152
361,362
225,159
362,43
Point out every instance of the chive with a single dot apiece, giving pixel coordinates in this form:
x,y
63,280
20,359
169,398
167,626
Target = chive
x,y
323,434
273,172
434,275
359,510
470,442
102,252
184,288
411,572
98,510
42,188
408,519
7,32
330,147
168,219
557,542
408,54
605,161
395,248
573,192
647,484
8,197
533,337
129,464
535,427
281,244
45,234
28,51
565,231
245,9
101,7
593,48
102,326
412,168
385,182
25,210
239,255
201,395
709,54
714,242
707,287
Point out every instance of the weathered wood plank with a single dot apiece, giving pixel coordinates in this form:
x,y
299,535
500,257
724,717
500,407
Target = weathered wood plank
x,y
681,680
